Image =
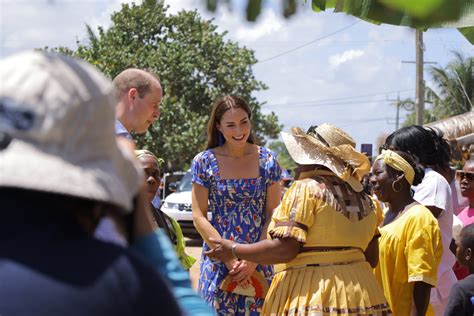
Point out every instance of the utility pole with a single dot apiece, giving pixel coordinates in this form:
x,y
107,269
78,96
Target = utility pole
x,y
420,83
398,112
405,104
397,104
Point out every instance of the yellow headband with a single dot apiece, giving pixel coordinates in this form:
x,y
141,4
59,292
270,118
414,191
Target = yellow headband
x,y
397,162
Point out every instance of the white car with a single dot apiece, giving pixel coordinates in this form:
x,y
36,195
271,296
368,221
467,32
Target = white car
x,y
178,206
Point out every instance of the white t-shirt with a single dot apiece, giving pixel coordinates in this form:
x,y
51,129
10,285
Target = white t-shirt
x,y
434,190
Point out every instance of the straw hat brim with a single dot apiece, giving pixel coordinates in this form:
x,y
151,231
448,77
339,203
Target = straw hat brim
x,y
306,150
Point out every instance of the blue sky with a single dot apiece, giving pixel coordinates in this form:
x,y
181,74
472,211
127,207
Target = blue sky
x,y
345,79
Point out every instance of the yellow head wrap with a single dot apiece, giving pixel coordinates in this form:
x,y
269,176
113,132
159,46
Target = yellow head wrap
x,y
397,162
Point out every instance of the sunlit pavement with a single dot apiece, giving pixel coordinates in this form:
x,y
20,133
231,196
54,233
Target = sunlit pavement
x,y
194,248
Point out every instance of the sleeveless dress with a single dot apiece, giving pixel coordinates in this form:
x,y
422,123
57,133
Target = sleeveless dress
x,y
238,213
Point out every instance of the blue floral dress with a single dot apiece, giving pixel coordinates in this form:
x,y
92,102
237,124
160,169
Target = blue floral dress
x,y
238,213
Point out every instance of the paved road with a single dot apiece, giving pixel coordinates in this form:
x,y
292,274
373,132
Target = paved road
x,y
194,248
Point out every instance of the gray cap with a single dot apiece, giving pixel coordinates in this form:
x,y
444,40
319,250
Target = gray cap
x,y
59,113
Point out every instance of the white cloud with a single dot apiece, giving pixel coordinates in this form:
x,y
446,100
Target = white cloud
x,y
338,59
30,24
267,24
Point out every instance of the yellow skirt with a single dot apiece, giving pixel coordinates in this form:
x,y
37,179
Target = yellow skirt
x,y
341,289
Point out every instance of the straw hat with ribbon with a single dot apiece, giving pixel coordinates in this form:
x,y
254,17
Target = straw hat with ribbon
x,y
331,147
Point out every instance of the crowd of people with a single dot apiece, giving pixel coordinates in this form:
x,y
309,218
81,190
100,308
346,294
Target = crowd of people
x,y
80,235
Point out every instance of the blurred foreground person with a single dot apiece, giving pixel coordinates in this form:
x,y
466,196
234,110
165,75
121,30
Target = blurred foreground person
x,y
61,171
324,233
410,246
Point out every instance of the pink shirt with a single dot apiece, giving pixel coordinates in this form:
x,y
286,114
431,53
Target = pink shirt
x,y
466,216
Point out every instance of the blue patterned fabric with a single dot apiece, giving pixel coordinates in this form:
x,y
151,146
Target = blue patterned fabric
x,y
238,213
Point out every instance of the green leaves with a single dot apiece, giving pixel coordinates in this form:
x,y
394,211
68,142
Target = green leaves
x,y
253,9
419,14
284,158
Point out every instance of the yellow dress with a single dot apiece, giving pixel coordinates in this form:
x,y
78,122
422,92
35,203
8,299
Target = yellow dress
x,y
410,250
322,211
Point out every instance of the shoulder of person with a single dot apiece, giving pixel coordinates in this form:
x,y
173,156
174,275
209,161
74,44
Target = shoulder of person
x,y
432,177
266,152
310,185
203,155
467,284
421,215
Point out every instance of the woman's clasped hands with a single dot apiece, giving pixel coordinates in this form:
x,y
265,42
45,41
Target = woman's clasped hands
x,y
239,270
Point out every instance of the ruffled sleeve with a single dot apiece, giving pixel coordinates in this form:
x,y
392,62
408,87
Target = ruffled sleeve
x,y
273,171
199,169
423,252
296,212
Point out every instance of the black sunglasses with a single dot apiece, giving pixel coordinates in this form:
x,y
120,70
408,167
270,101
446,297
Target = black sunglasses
x,y
465,175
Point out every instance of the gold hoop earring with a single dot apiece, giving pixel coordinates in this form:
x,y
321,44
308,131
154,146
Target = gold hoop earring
x,y
394,188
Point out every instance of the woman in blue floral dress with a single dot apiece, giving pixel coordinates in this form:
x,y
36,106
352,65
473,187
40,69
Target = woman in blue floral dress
x,y
238,183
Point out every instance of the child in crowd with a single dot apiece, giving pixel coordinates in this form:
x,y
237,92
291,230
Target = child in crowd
x,y
461,296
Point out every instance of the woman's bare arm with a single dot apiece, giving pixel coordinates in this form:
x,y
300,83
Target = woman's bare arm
x,y
273,199
200,197
421,297
268,251
372,252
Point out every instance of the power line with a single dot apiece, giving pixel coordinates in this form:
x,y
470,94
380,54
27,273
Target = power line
x,y
339,103
337,99
354,122
308,43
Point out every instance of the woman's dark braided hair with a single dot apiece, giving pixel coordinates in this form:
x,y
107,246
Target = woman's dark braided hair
x,y
426,144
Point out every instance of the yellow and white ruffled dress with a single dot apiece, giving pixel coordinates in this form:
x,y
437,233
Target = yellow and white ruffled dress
x,y
323,213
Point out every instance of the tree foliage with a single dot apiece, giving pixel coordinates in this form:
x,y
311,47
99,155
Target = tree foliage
x,y
454,87
452,93
284,158
195,64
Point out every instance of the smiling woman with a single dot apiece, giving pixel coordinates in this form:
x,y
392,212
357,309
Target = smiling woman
x,y
410,247
238,182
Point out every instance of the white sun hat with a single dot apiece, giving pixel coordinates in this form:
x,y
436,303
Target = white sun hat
x,y
57,125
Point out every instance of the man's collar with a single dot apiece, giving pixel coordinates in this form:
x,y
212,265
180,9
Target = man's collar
x,y
120,130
